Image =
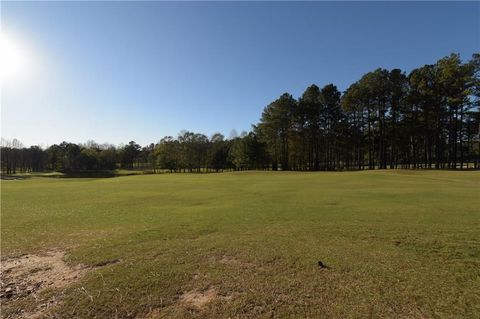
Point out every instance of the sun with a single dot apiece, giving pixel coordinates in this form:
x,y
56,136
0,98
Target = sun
x,y
13,59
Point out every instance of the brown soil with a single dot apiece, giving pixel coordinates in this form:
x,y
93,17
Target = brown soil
x,y
198,299
194,300
28,275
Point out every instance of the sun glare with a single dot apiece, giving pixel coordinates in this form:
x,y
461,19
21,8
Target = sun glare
x,y
13,59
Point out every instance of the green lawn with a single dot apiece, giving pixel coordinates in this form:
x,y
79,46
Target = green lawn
x,y
397,243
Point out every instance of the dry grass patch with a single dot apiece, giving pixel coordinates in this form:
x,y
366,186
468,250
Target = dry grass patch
x,y
28,276
191,302
24,279
198,299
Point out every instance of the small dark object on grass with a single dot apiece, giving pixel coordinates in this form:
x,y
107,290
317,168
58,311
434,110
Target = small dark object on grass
x,y
322,265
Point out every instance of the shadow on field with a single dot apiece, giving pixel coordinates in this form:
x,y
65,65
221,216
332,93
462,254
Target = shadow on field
x,y
87,174
12,177
102,174
72,174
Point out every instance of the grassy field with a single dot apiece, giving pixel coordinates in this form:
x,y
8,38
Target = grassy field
x,y
398,244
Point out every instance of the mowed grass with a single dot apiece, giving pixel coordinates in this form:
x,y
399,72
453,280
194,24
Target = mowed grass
x,y
397,243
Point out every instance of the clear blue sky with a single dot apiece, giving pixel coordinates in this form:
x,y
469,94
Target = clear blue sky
x,y
139,71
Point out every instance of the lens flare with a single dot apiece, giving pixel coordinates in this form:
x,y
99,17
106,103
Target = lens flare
x,y
13,59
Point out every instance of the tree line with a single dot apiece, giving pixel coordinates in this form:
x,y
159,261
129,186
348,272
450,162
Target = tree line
x,y
428,118
189,152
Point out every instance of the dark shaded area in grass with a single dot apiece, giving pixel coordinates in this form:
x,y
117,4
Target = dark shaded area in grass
x,y
75,174
12,177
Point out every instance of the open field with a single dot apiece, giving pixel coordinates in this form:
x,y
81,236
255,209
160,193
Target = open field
x,y
396,244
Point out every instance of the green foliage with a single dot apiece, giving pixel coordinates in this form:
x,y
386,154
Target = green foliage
x,y
238,154
275,127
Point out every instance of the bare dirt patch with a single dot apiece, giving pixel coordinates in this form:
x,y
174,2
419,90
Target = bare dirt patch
x,y
28,275
194,301
198,299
